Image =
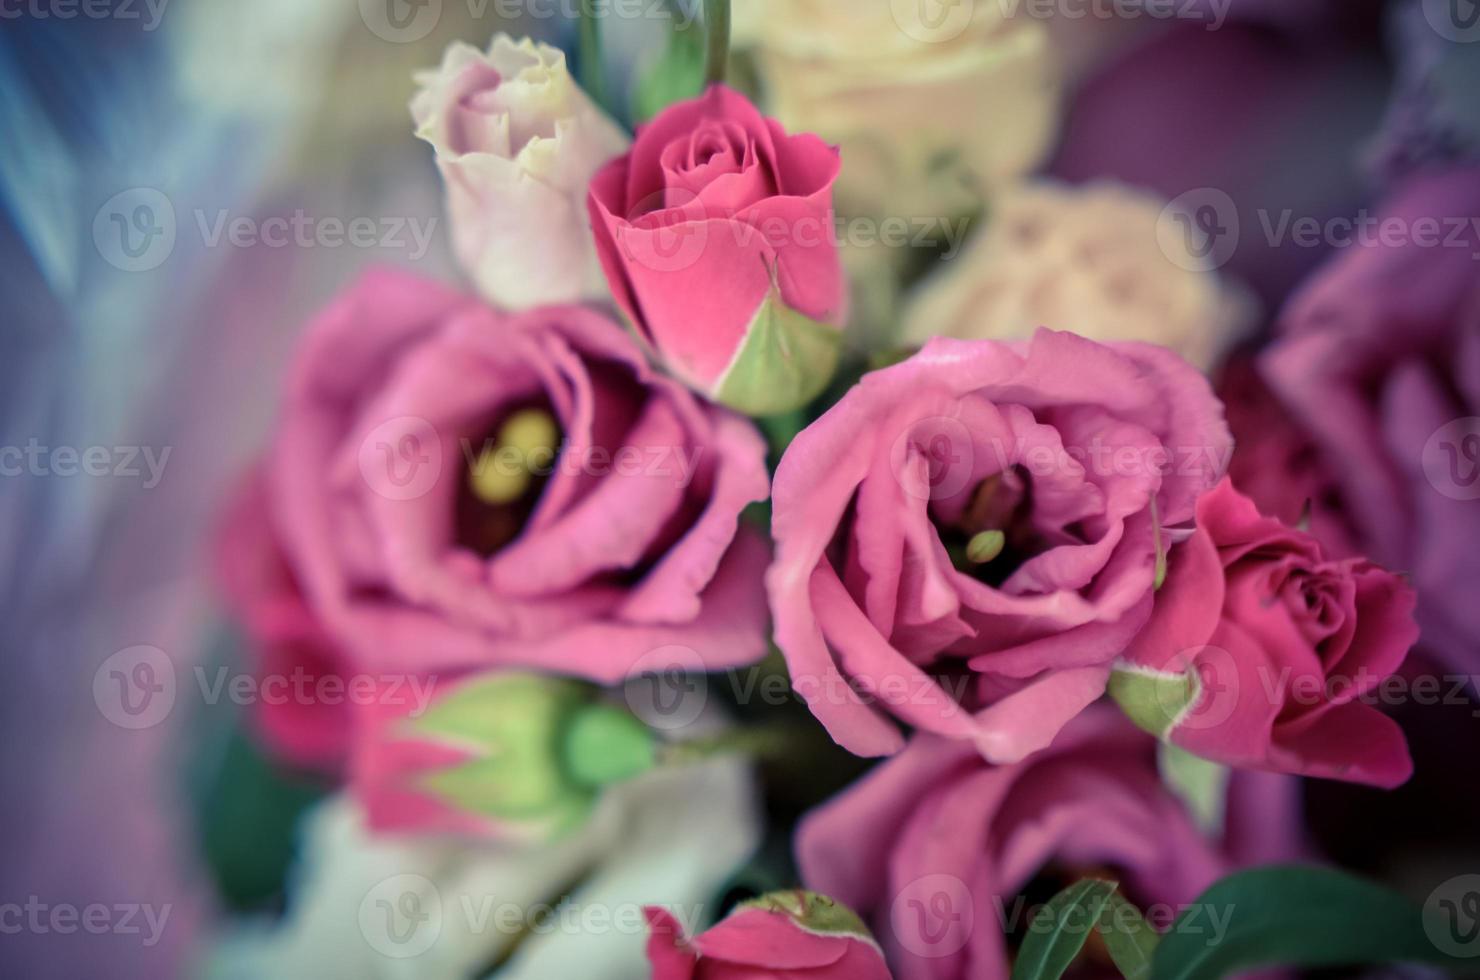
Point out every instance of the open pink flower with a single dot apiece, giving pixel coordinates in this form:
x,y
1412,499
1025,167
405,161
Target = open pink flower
x,y
716,234
968,538
454,488
1261,650
779,936
945,855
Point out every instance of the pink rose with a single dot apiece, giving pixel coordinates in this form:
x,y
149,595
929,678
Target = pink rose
x,y
970,537
1261,649
945,856
454,488
716,234
785,934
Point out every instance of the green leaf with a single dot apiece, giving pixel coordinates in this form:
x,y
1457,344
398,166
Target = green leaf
x,y
1059,929
1294,916
1129,937
678,74
785,361
248,821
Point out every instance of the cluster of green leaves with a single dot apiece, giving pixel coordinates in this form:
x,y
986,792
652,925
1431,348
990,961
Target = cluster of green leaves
x,y
1288,915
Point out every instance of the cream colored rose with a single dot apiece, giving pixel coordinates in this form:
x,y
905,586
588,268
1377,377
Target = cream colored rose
x,y
933,102
517,142
1082,258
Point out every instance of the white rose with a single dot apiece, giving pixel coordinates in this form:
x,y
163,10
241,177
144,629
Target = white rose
x,y
1082,258
517,142
933,103
443,908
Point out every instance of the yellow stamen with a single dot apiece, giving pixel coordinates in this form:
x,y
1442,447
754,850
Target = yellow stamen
x,y
504,472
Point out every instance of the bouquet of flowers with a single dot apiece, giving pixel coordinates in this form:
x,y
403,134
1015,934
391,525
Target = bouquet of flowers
x,y
811,542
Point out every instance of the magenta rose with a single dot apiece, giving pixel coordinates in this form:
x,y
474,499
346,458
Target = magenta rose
x,y
970,537
946,856
1260,651
455,488
1378,359
783,935
717,236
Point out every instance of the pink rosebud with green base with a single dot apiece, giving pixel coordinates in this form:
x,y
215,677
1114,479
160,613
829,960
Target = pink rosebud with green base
x,y
717,236
1262,652
784,934
511,755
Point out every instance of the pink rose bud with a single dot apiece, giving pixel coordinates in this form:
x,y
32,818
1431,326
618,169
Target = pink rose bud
x,y
717,236
1261,651
512,755
783,934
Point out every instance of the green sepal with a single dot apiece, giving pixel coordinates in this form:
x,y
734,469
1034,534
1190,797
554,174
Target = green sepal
x,y
813,912
1154,701
785,361
605,744
1201,784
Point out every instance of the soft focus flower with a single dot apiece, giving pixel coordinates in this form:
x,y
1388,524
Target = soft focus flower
x,y
717,236
1431,121
517,142
777,936
1094,259
289,644
506,754
968,538
1260,651
942,853
454,488
1277,465
933,105
1145,120
373,908
1378,358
